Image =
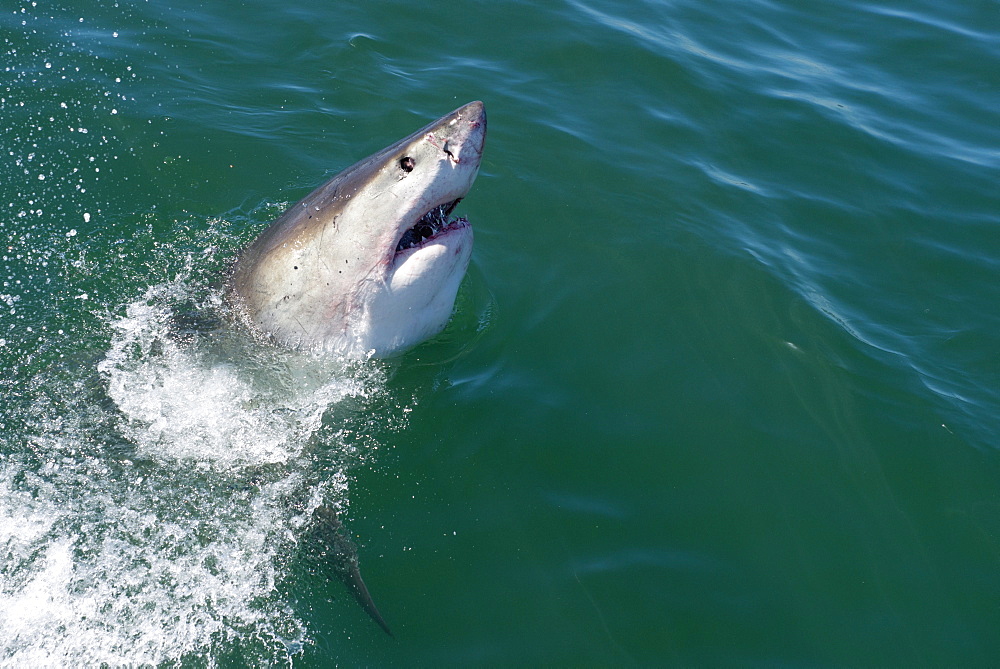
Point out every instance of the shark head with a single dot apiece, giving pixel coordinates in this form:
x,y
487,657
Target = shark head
x,y
370,262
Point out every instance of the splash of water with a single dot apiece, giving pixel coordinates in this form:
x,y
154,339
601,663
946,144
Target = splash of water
x,y
155,507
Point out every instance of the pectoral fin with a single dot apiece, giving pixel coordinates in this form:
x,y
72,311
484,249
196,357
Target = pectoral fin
x,y
343,556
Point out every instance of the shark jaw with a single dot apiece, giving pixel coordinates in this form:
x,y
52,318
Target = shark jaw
x,y
369,263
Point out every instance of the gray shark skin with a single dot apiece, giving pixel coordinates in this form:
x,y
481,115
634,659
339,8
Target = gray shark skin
x,y
369,263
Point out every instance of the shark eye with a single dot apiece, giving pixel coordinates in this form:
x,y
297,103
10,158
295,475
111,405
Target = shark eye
x,y
407,164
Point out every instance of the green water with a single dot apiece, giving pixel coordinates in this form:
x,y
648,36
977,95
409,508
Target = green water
x,y
722,386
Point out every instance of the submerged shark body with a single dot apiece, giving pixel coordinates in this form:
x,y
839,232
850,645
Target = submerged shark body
x,y
368,264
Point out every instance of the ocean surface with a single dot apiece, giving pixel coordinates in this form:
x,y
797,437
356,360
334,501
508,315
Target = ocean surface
x,y
722,387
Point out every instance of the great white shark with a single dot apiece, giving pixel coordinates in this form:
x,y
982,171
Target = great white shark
x,y
367,265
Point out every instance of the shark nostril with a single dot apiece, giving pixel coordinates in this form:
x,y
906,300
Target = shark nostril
x,y
407,164
451,156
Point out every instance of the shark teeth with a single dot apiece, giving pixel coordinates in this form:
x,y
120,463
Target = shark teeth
x,y
431,223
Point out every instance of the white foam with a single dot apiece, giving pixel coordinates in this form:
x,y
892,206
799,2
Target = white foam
x,y
124,585
185,403
158,527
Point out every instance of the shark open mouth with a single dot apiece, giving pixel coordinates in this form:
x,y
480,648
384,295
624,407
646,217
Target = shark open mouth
x,y
431,224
